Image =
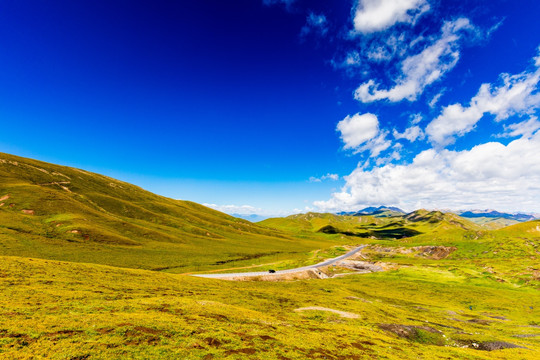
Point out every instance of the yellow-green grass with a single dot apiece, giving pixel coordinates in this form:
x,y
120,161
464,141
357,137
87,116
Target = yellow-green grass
x,y
62,213
493,223
60,310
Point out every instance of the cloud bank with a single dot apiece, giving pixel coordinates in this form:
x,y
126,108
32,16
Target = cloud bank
x,y
361,133
489,175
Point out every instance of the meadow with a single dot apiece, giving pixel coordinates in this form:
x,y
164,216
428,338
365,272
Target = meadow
x,y
98,271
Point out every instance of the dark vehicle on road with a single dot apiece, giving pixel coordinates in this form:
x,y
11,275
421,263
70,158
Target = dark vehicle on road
x,y
271,271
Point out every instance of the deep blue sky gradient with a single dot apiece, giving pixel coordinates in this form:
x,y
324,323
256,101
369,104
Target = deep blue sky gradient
x,y
215,101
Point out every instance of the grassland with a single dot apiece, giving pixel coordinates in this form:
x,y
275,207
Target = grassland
x,y
56,212
112,289
62,310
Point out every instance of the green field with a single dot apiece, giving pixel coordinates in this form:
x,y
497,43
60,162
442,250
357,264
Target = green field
x,y
92,268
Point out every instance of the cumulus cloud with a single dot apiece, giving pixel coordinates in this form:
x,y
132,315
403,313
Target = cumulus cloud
x,y
333,177
412,134
361,133
357,129
525,128
422,69
490,175
376,145
376,15
516,95
317,24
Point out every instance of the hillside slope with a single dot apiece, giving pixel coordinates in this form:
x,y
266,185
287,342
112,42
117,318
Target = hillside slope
x,y
58,212
375,227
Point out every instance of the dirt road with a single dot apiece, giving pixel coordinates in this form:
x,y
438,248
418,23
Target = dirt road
x,y
281,272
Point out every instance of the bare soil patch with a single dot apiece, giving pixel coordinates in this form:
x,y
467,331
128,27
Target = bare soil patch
x,y
361,265
420,334
245,351
212,342
497,345
343,314
430,252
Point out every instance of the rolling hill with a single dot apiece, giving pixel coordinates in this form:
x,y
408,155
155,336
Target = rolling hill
x,y
57,212
373,226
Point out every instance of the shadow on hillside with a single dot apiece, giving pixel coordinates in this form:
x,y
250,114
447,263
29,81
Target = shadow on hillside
x,y
396,233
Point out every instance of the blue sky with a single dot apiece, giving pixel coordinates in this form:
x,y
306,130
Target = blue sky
x,y
279,106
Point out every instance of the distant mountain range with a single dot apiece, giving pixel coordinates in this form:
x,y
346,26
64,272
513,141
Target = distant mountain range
x,y
385,211
496,214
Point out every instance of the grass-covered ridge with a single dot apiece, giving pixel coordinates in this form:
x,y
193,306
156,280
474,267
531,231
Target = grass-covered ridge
x,y
57,212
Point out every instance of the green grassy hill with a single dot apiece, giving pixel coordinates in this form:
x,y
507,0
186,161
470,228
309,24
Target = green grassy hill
x,y
312,222
375,227
57,212
493,223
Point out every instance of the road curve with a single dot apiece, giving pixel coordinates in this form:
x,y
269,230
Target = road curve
x,y
280,272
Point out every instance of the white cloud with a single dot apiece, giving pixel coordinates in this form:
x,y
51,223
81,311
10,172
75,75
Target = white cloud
x,y
455,120
490,175
412,134
378,53
333,177
315,24
416,119
376,50
422,69
394,155
376,145
435,99
361,133
385,48
376,15
357,129
352,62
517,95
525,128
352,59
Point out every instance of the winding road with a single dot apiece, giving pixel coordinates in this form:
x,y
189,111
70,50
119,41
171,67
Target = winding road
x,y
281,272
